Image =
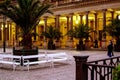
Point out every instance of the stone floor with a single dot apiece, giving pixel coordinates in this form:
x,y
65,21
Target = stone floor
x,y
59,72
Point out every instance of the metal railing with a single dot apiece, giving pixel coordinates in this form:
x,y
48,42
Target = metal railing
x,y
95,70
102,69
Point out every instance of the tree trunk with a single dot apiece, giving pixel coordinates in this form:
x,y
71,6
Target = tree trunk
x,y
51,45
27,41
80,46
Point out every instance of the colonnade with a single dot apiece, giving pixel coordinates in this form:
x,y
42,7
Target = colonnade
x,y
95,19
98,22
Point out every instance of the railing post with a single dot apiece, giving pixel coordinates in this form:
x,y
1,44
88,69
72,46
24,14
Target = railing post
x,y
81,69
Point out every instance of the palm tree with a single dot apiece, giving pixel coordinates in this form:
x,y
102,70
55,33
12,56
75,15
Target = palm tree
x,y
26,14
80,32
114,30
51,34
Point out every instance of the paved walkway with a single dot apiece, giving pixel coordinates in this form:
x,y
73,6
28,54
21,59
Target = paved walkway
x,y
60,72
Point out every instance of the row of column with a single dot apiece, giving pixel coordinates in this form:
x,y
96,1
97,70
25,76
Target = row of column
x,y
70,18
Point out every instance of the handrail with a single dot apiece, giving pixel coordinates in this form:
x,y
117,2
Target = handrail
x,y
102,68
104,59
95,70
102,72
100,65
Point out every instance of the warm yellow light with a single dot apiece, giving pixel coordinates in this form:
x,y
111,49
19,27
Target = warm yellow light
x,y
5,26
119,17
63,18
1,28
118,12
76,21
2,25
41,22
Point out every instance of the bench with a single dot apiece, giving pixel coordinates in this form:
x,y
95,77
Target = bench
x,y
45,59
9,59
42,59
58,57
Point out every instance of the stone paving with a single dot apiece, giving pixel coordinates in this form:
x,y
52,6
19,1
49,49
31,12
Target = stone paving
x,y
59,72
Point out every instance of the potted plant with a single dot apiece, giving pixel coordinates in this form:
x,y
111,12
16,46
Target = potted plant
x,y
116,73
51,34
80,32
113,29
26,15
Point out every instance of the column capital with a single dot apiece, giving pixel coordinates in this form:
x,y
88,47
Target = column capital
x,y
87,12
57,15
104,10
81,69
71,14
45,17
67,16
80,58
112,11
81,15
95,13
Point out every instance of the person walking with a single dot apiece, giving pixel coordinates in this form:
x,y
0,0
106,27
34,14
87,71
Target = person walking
x,y
110,49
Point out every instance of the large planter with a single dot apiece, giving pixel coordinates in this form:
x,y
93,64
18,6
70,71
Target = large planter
x,y
25,52
51,47
80,47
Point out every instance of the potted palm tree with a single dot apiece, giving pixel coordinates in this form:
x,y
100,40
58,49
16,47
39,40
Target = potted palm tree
x,y
80,32
51,34
26,15
113,29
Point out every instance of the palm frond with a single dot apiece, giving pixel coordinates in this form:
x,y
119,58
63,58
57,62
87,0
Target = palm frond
x,y
52,33
25,13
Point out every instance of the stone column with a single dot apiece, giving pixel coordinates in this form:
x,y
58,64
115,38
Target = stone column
x,y
112,14
104,18
95,35
70,40
57,23
67,22
45,22
81,19
71,21
104,27
45,26
81,68
87,13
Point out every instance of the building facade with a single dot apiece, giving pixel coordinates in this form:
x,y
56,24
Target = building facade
x,y
66,15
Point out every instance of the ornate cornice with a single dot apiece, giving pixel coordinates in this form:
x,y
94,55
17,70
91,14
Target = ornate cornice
x,y
84,4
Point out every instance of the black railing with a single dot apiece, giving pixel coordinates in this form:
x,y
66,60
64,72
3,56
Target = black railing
x,y
102,69
95,70
99,72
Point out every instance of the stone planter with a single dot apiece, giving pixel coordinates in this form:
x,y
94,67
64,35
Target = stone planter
x,y
80,47
25,52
